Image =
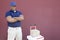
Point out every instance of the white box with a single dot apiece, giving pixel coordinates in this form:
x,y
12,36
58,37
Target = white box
x,y
35,38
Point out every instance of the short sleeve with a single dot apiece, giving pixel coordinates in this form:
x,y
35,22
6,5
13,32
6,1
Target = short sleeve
x,y
20,13
7,14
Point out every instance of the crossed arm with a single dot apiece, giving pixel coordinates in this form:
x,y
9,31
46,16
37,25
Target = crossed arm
x,y
14,19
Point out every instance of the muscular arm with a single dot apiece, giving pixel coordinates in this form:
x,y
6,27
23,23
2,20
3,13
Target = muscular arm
x,y
20,18
10,19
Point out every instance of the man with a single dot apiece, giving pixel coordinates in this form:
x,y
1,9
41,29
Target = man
x,y
14,19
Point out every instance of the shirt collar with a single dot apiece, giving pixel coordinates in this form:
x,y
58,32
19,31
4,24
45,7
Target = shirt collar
x,y
13,10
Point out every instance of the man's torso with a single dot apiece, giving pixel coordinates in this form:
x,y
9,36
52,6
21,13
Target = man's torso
x,y
14,14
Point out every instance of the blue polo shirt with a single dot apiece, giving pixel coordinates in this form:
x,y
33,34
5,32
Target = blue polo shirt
x,y
14,14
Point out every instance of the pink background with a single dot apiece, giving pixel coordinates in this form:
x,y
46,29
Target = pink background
x,y
45,13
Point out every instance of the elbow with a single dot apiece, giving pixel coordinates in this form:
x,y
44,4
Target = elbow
x,y
22,18
9,20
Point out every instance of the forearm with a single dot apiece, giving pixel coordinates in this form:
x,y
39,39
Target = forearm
x,y
19,18
12,20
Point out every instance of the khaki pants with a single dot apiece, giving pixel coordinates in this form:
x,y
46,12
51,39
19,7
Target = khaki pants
x,y
14,33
